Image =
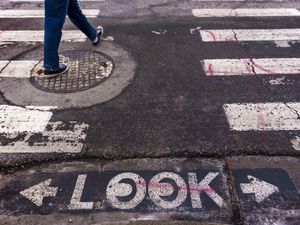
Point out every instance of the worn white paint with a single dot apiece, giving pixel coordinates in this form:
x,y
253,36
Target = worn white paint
x,y
296,143
38,36
157,190
3,64
44,0
263,116
246,12
116,189
159,31
283,44
38,192
17,69
15,119
248,67
234,0
277,81
59,137
76,203
261,189
36,13
250,35
196,188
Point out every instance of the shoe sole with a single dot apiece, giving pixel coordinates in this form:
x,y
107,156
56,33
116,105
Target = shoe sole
x,y
99,36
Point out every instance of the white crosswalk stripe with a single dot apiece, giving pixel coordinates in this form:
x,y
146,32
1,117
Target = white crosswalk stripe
x,y
250,35
90,13
251,67
263,116
267,116
38,36
44,0
247,12
33,121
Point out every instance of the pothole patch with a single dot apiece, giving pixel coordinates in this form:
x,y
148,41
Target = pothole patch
x,y
95,76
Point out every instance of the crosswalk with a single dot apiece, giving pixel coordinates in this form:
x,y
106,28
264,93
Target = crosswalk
x,y
241,116
31,129
263,116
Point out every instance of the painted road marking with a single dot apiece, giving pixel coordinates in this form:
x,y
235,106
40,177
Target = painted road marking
x,y
296,143
38,36
250,35
251,67
263,116
18,69
261,189
36,13
117,190
38,192
234,0
75,202
44,0
246,12
14,119
59,137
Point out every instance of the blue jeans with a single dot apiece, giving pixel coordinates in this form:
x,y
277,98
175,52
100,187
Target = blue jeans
x,y
55,14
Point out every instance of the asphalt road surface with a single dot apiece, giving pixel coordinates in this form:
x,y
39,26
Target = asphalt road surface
x,y
187,113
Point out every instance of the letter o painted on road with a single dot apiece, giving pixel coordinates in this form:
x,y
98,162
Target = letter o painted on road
x,y
157,190
115,189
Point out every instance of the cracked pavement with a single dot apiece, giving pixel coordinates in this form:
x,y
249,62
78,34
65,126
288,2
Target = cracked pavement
x,y
203,118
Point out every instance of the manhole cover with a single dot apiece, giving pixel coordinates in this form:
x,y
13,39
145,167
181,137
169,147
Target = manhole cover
x,y
87,70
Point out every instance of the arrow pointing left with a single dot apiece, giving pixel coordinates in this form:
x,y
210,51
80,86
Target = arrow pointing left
x,y
38,192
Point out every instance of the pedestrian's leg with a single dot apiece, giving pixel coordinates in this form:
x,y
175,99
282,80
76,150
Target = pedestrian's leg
x,y
55,14
80,21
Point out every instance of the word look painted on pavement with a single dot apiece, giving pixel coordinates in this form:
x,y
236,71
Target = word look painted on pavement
x,y
109,190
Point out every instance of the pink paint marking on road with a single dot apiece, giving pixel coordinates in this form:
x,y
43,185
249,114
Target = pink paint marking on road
x,y
167,186
261,123
212,35
210,69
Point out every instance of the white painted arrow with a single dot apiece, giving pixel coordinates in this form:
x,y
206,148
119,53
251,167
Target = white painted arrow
x,y
260,188
38,192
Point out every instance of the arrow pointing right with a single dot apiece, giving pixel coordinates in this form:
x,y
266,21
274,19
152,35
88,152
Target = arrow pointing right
x,y
38,192
260,188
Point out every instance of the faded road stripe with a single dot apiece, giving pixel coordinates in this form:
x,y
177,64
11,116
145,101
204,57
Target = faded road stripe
x,y
59,137
263,116
44,0
14,119
245,12
250,35
36,13
38,36
296,143
248,67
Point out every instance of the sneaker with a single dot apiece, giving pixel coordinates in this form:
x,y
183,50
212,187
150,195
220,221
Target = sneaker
x,y
100,31
62,69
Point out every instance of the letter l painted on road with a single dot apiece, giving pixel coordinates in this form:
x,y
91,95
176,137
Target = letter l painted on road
x,y
197,188
76,197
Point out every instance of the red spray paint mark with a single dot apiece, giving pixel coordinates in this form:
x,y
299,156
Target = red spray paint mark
x,y
261,123
210,69
212,35
167,186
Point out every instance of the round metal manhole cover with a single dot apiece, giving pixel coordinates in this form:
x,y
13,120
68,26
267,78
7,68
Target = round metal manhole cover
x,y
86,70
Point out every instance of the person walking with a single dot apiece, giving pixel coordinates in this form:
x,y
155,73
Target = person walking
x,y
55,14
